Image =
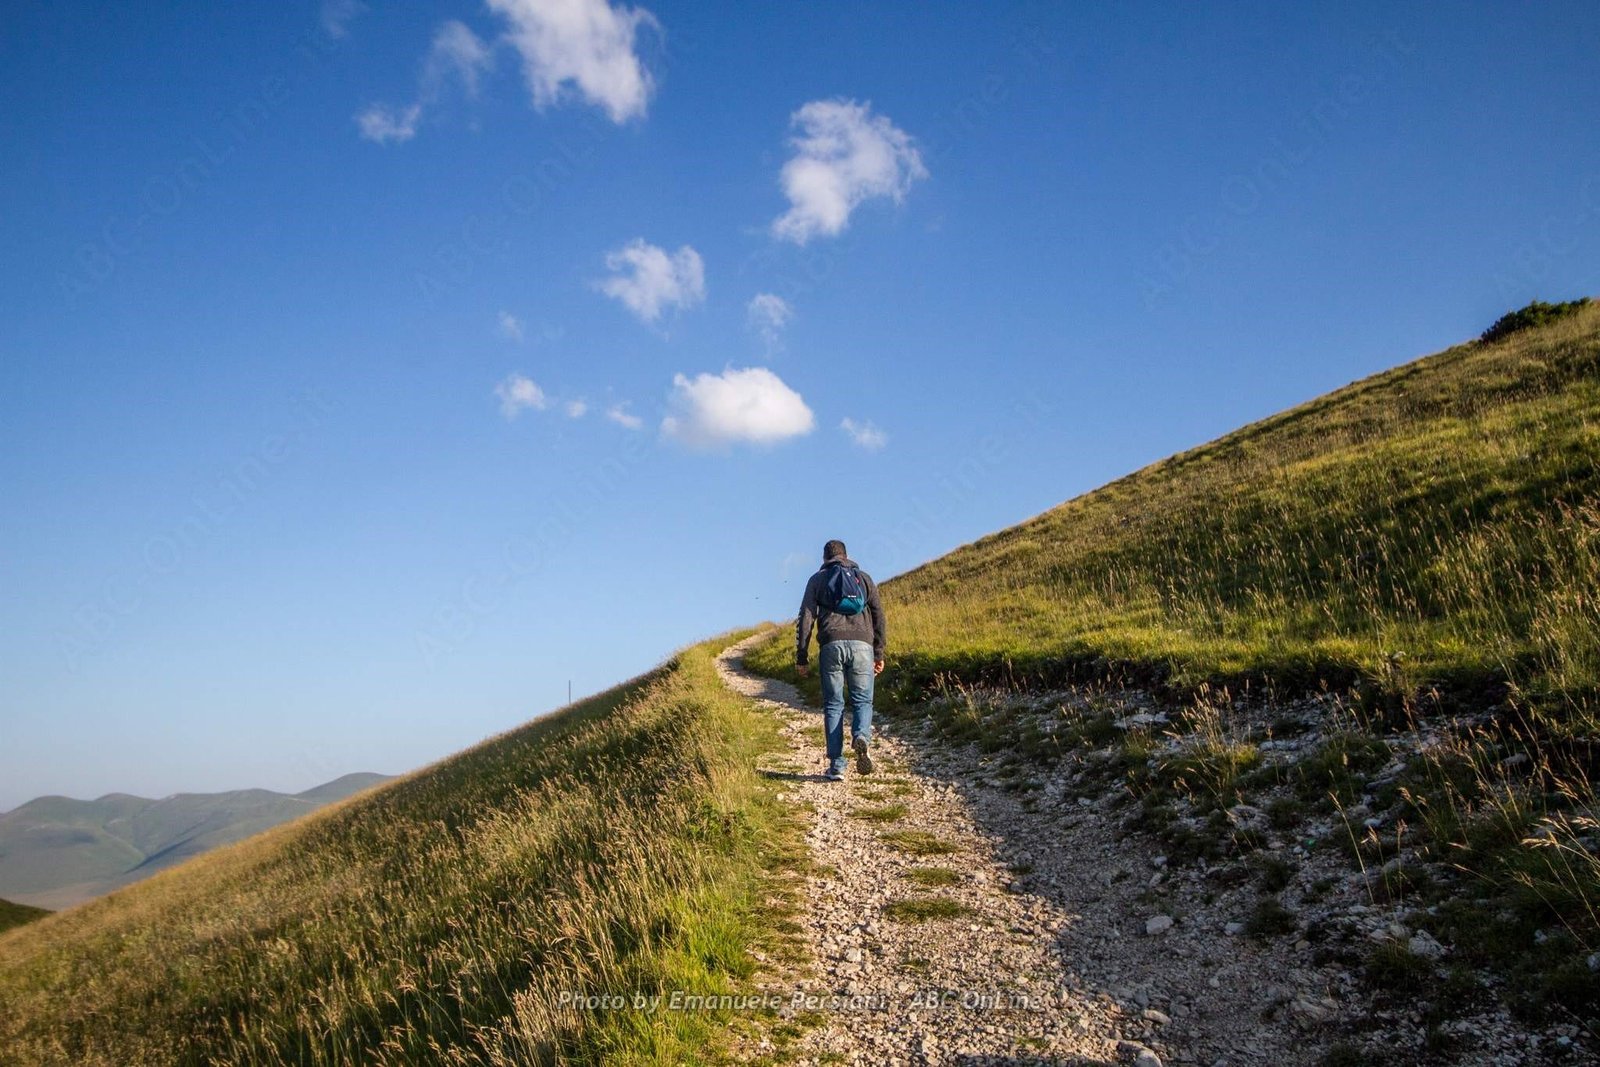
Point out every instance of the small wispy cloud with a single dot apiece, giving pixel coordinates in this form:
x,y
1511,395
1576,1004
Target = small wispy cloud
x,y
456,55
582,48
767,314
843,155
510,326
576,409
517,394
386,125
647,280
457,52
337,15
751,406
619,414
864,434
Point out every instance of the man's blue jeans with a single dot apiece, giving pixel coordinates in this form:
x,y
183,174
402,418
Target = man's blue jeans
x,y
845,664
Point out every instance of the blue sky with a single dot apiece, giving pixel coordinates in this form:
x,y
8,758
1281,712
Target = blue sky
x,y
374,370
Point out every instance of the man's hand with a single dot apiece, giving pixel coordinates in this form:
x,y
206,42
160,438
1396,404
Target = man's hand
x,y
877,666
802,669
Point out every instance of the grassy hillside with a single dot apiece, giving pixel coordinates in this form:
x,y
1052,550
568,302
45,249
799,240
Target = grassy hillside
x,y
1419,552
1435,527
13,914
624,845
56,852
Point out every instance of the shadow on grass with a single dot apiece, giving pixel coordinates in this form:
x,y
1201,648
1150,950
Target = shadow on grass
x,y
791,776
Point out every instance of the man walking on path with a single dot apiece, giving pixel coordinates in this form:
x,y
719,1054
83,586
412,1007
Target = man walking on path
x,y
841,600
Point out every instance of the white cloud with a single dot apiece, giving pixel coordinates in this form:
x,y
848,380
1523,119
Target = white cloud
x,y
768,314
843,155
510,326
584,47
619,414
518,394
865,434
384,124
648,281
576,409
338,14
457,54
752,405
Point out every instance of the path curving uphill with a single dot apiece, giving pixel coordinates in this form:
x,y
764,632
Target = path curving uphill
x,y
907,971
963,922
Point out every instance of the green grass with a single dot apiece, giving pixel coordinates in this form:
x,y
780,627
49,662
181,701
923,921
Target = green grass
x,y
1535,314
1210,767
881,813
917,842
13,914
925,909
1392,966
1276,871
623,846
1340,766
1345,1054
1270,919
933,876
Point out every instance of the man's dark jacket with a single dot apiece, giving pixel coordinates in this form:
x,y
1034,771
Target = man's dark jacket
x,y
832,626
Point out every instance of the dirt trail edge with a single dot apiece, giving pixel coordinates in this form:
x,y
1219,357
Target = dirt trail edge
x,y
926,953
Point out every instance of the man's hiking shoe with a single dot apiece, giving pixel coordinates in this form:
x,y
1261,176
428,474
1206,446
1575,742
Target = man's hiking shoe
x,y
863,758
834,774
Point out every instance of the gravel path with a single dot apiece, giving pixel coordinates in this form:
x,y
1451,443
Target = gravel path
x,y
1073,943
987,985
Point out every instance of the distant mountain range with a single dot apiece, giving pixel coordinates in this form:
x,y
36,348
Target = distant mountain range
x,y
18,915
56,852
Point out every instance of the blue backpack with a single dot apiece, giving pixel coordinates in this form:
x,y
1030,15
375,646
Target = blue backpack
x,y
843,590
